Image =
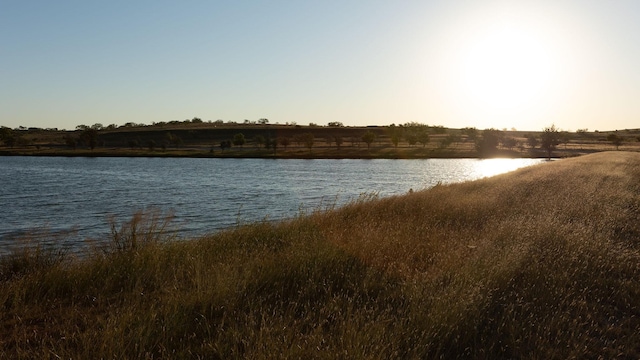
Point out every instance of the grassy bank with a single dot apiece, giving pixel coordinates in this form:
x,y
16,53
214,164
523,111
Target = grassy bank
x,y
539,263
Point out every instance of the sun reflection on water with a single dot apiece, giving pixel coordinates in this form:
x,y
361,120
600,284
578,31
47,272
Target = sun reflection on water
x,y
492,167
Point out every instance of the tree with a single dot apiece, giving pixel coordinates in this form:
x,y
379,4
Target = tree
x,y
174,139
395,139
89,137
565,137
448,140
285,141
368,137
509,143
549,139
335,124
8,136
487,143
412,139
238,139
263,121
307,138
71,142
271,143
152,145
259,140
423,137
338,140
532,141
328,140
394,134
615,140
471,133
226,144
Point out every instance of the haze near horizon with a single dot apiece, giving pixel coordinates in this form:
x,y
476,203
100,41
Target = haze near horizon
x,y
502,64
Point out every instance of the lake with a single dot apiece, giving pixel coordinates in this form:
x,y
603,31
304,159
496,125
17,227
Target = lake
x,y
76,196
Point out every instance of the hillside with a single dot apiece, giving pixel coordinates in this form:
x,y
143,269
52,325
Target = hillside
x,y
540,263
188,139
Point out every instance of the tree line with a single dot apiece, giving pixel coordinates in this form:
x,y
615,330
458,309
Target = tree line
x,y
486,142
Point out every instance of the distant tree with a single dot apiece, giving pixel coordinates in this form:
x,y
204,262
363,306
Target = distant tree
x,y
446,141
615,140
412,139
285,141
328,140
549,139
532,141
196,120
263,121
258,140
509,143
335,124
71,142
565,137
133,144
438,129
338,140
308,140
299,139
8,136
82,127
174,140
487,143
97,126
89,137
368,137
238,139
151,145
226,144
395,139
583,133
271,144
355,141
394,134
471,133
423,137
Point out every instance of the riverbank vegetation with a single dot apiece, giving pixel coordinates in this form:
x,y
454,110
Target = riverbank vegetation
x,y
196,138
538,263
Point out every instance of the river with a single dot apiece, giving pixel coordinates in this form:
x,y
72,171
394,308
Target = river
x,y
77,196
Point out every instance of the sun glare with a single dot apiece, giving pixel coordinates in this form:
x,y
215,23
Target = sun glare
x,y
503,68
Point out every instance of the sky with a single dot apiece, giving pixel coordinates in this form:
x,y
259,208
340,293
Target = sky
x,y
523,64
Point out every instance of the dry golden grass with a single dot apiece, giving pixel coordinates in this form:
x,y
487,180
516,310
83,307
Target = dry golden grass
x,y
541,263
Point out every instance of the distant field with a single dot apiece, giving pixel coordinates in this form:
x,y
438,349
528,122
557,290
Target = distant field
x,y
205,140
539,263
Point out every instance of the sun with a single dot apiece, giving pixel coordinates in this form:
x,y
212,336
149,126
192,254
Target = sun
x,y
506,67
503,69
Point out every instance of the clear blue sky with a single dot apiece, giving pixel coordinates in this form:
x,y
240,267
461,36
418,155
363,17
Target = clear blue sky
x,y
504,64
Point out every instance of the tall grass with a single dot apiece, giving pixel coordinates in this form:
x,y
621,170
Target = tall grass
x,y
540,263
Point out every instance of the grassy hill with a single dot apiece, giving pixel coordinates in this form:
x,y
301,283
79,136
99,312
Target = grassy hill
x,y
538,263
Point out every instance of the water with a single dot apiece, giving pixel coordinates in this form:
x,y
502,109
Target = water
x,y
78,195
